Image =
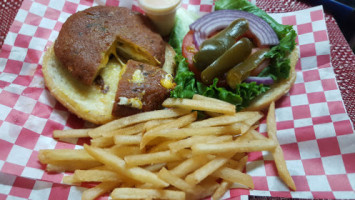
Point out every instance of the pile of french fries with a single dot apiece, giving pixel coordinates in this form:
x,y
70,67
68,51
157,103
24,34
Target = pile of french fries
x,y
170,153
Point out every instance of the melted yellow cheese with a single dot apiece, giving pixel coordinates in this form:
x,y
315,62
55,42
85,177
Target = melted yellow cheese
x,y
133,51
106,56
138,77
167,82
133,102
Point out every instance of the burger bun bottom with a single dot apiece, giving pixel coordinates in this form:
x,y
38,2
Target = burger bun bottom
x,y
88,102
278,89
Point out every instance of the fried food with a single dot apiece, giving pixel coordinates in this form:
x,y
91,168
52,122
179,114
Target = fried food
x,y
89,37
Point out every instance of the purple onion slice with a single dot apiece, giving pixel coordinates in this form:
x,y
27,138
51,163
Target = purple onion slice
x,y
260,80
215,21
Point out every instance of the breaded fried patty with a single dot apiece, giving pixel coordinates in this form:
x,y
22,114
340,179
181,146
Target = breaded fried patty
x,y
88,37
140,89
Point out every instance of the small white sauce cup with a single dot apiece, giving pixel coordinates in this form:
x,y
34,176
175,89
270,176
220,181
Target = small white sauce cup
x,y
161,12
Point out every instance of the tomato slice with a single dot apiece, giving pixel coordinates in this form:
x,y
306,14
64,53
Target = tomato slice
x,y
189,50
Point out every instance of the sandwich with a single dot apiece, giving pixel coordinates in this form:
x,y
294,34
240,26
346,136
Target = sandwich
x,y
237,53
109,62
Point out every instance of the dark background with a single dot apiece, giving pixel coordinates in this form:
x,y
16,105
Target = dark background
x,y
344,13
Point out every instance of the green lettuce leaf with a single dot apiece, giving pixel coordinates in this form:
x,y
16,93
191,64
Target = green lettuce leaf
x,y
182,21
248,91
280,62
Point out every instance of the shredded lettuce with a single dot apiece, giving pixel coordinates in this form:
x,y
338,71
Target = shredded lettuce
x,y
242,96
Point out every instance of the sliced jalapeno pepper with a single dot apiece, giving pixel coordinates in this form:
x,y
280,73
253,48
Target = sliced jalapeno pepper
x,y
240,72
214,47
234,55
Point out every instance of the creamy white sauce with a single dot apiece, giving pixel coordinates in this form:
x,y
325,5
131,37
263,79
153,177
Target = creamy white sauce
x,y
161,12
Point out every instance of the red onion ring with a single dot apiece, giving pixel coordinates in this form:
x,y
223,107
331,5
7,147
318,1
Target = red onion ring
x,y
260,80
214,21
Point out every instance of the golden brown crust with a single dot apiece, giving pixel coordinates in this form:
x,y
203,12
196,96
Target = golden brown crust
x,y
277,90
87,36
142,83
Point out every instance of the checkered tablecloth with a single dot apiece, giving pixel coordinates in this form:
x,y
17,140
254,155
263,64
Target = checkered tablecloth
x,y
313,127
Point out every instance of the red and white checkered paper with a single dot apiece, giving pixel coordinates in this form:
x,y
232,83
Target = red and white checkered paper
x,y
314,129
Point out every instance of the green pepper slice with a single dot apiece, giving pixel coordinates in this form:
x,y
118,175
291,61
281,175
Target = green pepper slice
x,y
240,72
234,55
214,47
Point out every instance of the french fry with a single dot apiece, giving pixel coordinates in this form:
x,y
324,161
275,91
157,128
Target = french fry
x,y
234,176
188,166
143,186
282,168
70,166
151,158
100,189
155,167
162,146
135,119
119,165
180,122
257,135
94,175
248,136
243,127
185,153
252,120
226,119
127,139
201,97
130,130
209,185
235,146
207,169
271,123
202,105
232,163
171,165
221,190
188,142
61,155
156,141
181,133
137,193
102,142
177,182
154,123
277,153
167,154
70,180
242,163
122,151
239,156
71,133
238,185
